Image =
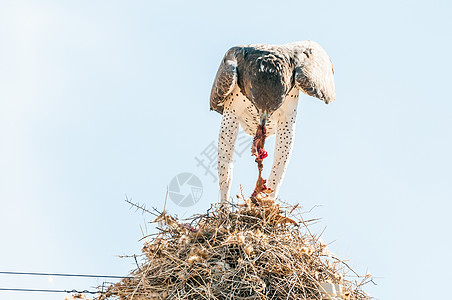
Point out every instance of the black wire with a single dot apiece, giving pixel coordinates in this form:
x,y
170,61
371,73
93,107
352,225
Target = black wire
x,y
50,291
62,274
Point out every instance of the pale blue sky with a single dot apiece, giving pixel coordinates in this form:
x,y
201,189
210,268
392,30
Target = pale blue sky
x,y
99,99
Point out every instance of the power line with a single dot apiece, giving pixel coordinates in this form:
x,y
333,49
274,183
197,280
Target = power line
x,y
50,291
63,274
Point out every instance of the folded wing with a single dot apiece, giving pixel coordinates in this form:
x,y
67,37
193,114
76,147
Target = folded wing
x,y
225,81
314,74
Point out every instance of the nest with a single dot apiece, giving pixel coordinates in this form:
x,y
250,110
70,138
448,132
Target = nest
x,y
238,252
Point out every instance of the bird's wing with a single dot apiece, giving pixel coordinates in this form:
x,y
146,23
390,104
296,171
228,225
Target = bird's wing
x,y
314,74
225,81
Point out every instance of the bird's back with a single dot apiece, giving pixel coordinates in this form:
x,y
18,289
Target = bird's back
x,y
264,74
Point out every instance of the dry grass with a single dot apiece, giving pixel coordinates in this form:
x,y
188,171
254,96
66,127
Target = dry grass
x,y
237,252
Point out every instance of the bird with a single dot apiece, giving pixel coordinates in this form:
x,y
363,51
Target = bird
x,y
257,87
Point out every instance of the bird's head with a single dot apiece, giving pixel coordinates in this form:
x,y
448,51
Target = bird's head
x,y
267,96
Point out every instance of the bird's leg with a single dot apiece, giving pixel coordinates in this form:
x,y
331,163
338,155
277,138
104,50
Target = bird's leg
x,y
258,150
283,149
226,142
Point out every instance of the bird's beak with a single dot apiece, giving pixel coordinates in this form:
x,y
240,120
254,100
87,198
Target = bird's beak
x,y
263,118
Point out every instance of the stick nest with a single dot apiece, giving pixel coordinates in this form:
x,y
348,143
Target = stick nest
x,y
237,252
